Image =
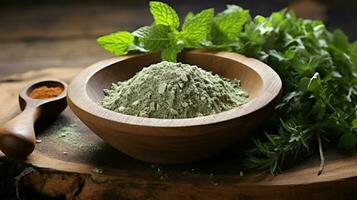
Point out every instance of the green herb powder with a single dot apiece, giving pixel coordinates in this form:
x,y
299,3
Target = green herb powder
x,y
174,90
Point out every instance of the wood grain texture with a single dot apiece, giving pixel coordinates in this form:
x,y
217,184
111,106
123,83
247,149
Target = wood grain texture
x,y
104,173
175,140
69,21
16,57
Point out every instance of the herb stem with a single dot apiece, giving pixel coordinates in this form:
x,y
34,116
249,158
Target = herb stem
x,y
322,158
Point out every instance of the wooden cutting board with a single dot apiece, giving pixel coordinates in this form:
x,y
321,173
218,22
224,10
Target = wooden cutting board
x,y
71,162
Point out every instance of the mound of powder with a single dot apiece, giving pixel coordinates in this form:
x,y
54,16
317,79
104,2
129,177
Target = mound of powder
x,y
174,90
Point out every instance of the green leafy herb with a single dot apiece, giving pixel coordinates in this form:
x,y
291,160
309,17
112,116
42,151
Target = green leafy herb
x,y
164,15
347,141
197,27
153,38
228,24
116,43
318,69
319,83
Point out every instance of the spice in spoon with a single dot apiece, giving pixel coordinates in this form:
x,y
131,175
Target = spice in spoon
x,y
45,92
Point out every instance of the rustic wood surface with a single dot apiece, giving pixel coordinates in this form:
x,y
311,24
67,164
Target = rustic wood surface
x,y
62,35
78,165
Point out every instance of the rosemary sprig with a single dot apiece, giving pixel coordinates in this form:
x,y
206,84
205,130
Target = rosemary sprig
x,y
292,142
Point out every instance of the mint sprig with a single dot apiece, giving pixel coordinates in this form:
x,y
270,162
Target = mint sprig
x,y
164,35
201,30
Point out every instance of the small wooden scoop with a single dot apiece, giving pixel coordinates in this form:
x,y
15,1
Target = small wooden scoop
x,y
17,136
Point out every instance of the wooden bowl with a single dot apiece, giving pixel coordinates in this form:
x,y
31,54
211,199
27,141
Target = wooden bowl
x,y
174,140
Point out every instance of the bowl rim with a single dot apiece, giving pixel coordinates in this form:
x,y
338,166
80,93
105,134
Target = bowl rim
x,y
272,86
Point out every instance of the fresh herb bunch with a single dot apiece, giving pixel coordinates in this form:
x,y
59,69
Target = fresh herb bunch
x,y
318,68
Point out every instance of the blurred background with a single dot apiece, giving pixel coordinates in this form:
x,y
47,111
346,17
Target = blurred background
x,y
37,34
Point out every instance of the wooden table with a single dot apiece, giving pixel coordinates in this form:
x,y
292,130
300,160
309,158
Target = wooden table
x,y
71,162
62,36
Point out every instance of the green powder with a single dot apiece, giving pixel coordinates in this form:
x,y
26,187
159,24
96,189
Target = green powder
x,y
70,135
174,90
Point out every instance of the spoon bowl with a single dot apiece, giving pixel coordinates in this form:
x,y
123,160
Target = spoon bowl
x,y
17,136
175,140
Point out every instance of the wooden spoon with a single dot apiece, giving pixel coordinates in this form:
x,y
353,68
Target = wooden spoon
x,y
17,136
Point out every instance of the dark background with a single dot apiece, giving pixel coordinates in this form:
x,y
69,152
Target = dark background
x,y
61,33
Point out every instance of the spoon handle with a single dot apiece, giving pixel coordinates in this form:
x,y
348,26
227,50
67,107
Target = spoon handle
x,y
17,136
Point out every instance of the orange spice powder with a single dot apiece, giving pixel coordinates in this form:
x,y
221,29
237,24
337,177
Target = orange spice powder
x,y
45,92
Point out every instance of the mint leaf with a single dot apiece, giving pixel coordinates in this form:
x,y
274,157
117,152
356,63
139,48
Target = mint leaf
x,y
196,27
116,43
340,40
353,55
170,53
133,48
163,14
354,124
189,15
228,24
231,8
264,26
154,38
277,18
159,38
347,141
142,32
